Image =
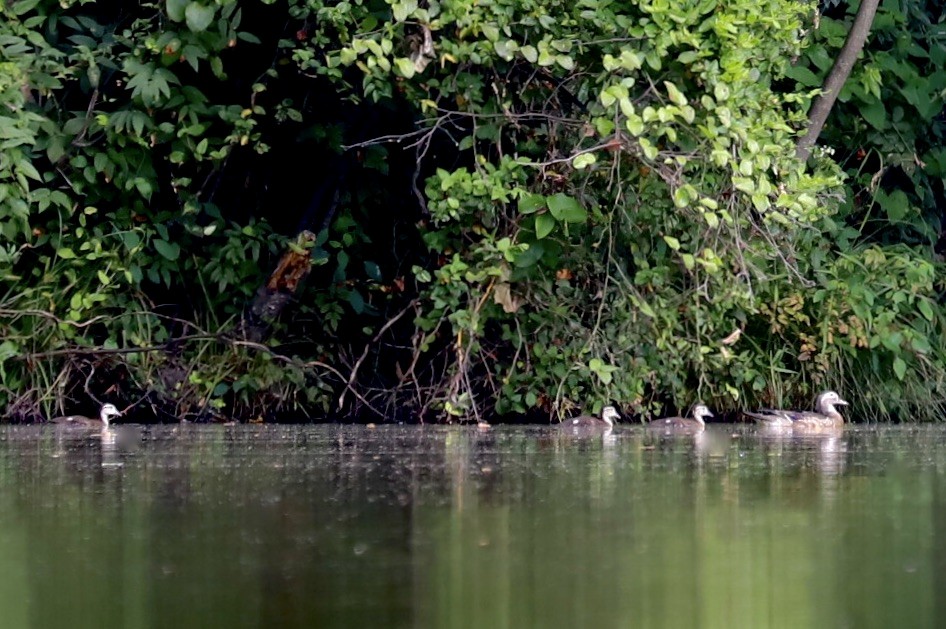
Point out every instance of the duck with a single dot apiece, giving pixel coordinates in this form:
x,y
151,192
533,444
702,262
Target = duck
x,y
609,416
81,421
825,416
683,424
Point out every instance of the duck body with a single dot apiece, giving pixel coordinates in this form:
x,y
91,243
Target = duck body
x,y
683,424
585,421
609,416
825,416
81,421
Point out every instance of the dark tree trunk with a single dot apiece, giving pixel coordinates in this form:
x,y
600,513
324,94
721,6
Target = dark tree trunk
x,y
272,297
838,75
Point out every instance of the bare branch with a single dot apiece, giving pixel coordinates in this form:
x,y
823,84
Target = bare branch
x,y
837,77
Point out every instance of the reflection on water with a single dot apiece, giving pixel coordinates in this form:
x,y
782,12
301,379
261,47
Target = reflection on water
x,y
455,527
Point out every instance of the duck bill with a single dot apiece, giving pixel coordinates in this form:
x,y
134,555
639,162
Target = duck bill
x,y
840,401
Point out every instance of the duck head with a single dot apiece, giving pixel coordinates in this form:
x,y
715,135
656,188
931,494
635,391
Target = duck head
x,y
610,415
108,411
700,411
827,401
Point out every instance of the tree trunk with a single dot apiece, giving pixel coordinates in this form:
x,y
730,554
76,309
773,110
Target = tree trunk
x,y
838,75
272,297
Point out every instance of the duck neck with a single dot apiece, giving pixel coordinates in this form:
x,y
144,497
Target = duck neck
x,y
829,410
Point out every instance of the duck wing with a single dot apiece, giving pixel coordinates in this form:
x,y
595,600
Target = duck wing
x,y
796,419
775,417
78,421
817,421
675,426
584,421
673,422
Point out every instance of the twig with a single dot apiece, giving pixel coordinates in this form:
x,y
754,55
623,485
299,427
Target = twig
x,y
81,351
312,363
354,372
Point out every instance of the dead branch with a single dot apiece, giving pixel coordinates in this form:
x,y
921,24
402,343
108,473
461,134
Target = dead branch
x,y
354,372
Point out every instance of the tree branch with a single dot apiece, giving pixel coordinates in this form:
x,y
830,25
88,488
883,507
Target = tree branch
x,y
843,65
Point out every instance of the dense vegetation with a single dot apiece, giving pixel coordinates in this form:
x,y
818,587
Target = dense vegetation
x,y
516,207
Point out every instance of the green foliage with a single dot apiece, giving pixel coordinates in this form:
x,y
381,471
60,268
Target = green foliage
x,y
105,152
887,132
640,158
679,136
887,129
611,208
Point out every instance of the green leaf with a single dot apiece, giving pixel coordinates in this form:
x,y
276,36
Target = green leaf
x,y
875,113
803,75
584,160
925,309
23,6
567,209
403,10
143,186
131,240
175,9
721,92
249,38
635,124
647,147
169,250
404,66
544,224
899,368
529,203
27,169
565,61
607,97
506,49
216,66
373,270
672,242
198,16
896,204
602,370
684,195
531,255
676,96
356,301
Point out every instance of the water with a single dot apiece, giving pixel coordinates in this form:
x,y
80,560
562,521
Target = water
x,y
453,527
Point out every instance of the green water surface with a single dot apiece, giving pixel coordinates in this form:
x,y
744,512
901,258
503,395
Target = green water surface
x,y
349,526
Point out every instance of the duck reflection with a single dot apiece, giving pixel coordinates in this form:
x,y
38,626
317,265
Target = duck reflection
x,y
823,452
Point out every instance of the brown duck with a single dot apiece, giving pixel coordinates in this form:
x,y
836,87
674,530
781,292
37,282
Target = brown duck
x,y
609,416
81,421
683,424
826,416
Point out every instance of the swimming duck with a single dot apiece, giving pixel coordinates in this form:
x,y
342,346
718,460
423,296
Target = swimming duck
x,y
825,415
683,424
609,415
81,421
